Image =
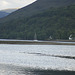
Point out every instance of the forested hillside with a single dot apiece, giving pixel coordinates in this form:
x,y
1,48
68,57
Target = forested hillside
x,y
56,22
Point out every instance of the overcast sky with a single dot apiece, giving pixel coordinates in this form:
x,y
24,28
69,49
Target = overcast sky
x,y
5,4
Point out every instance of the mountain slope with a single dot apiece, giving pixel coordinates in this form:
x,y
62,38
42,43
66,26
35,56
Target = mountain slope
x,y
37,7
42,5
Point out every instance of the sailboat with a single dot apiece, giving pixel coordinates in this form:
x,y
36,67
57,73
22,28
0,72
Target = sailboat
x,y
70,37
35,37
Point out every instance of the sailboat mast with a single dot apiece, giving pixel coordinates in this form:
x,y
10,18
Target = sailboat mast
x,y
35,37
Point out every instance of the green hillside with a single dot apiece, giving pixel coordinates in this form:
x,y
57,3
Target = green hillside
x,y
56,22
37,7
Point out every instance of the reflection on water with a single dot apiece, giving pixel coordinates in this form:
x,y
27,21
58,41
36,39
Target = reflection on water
x,y
14,70
17,70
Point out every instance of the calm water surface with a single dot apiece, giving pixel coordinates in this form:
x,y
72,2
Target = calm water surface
x,y
55,57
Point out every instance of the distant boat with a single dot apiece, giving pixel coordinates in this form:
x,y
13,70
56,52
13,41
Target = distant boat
x,y
70,37
35,37
50,37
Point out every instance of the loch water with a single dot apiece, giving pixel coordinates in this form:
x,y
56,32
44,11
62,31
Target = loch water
x,y
45,57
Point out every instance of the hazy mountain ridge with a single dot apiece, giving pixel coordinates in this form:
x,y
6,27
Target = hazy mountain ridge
x,y
3,14
10,10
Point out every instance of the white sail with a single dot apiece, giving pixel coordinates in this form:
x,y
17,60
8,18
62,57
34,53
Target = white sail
x,y
70,37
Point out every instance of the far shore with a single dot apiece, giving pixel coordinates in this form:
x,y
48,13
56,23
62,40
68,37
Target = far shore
x,y
36,42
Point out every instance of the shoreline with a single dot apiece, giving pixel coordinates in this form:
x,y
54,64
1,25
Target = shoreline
x,y
29,42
